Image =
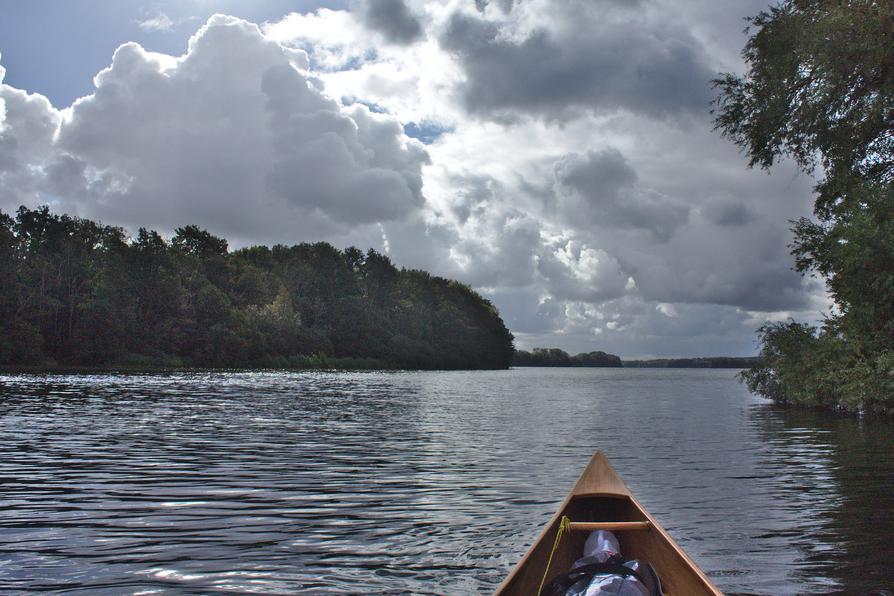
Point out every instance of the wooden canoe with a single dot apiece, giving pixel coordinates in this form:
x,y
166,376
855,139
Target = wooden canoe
x,y
600,499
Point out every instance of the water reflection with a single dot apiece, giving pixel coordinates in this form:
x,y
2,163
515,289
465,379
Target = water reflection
x,y
796,481
426,482
842,471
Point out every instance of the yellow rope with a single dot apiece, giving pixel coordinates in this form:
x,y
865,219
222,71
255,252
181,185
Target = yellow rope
x,y
564,524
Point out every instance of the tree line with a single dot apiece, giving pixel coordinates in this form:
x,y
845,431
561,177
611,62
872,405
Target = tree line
x,y
819,90
76,292
557,357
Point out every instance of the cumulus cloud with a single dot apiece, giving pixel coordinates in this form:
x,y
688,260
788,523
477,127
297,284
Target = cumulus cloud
x,y
353,166
28,124
392,19
492,243
235,133
579,273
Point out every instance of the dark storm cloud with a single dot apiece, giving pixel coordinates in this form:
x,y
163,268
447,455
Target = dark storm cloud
x,y
744,266
755,286
394,20
727,213
598,65
601,188
606,172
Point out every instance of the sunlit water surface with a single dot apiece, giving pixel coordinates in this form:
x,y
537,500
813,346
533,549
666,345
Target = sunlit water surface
x,y
429,482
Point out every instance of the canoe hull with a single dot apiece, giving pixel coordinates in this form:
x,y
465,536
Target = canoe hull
x,y
600,495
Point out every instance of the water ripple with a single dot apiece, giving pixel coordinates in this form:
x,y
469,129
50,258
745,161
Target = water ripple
x,y
430,483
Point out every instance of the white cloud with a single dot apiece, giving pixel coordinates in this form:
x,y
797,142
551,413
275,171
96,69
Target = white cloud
x,y
234,134
28,125
668,310
414,81
159,22
577,272
334,37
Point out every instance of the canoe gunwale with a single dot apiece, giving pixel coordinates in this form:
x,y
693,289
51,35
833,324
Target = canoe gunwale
x,y
712,589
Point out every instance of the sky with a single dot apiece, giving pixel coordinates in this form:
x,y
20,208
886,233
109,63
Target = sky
x,y
556,155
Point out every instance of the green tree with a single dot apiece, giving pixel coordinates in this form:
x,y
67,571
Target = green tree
x,y
820,89
207,252
21,341
197,242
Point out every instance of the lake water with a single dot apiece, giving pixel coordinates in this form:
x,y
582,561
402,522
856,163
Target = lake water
x,y
424,482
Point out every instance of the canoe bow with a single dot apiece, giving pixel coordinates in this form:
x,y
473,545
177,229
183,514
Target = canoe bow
x,y
600,497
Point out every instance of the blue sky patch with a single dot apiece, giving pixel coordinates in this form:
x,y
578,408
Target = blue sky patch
x,y
427,132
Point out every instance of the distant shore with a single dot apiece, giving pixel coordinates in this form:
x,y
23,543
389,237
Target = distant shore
x,y
708,362
555,357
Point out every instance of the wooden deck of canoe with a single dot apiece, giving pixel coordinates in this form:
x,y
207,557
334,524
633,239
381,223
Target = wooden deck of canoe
x,y
600,499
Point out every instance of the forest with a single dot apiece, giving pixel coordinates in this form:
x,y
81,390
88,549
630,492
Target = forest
x,y
557,357
74,292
